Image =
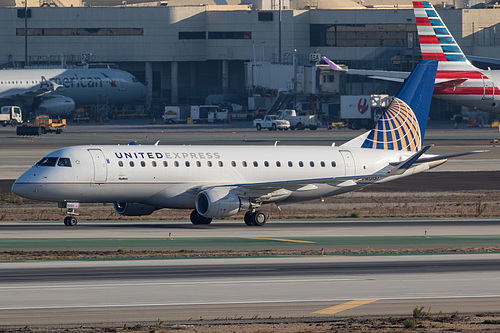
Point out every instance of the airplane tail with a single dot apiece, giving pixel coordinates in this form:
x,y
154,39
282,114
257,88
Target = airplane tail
x,y
436,41
402,125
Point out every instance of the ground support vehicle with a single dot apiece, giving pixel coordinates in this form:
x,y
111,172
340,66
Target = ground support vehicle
x,y
208,114
10,115
175,114
298,120
272,123
362,111
42,124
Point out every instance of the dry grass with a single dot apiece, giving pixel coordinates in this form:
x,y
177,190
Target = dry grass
x,y
351,205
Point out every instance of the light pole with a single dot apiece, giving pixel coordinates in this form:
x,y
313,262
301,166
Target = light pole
x,y
279,33
25,33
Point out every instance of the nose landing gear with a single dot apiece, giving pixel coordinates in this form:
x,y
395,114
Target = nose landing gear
x,y
70,220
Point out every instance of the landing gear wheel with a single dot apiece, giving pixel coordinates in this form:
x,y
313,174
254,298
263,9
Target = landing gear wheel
x,y
70,221
259,218
196,218
248,218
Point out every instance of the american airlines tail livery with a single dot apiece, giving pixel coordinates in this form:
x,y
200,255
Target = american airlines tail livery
x,y
221,181
457,80
57,91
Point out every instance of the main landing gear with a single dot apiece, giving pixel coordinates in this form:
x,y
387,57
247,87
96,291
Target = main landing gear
x,y
196,218
256,218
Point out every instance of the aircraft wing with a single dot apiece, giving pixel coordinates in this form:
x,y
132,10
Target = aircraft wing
x,y
373,74
31,93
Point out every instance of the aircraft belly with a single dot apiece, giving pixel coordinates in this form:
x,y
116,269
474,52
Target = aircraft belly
x,y
174,196
473,101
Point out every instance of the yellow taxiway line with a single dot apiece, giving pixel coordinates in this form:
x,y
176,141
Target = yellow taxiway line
x,y
281,240
345,306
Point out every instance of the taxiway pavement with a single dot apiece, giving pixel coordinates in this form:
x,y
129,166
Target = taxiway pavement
x,y
194,290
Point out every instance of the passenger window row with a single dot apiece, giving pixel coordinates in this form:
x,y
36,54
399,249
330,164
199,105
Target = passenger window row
x,y
233,164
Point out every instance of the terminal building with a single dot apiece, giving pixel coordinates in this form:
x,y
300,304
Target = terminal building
x,y
184,50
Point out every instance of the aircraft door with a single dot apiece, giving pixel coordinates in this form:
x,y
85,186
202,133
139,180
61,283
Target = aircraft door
x,y
100,166
489,88
350,167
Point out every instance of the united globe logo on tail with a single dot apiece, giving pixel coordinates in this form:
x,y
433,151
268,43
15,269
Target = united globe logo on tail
x,y
397,129
402,126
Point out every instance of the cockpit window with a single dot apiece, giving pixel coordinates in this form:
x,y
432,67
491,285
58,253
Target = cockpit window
x,y
64,162
47,161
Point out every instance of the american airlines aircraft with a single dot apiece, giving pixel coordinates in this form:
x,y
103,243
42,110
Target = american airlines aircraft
x,y
457,80
221,181
57,91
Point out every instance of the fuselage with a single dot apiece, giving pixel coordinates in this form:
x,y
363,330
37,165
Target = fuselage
x,y
84,86
479,89
171,176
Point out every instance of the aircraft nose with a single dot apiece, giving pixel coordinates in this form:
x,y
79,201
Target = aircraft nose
x,y
22,187
18,188
143,90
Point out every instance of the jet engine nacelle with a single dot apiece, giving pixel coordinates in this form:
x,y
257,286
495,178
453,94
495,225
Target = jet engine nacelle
x,y
133,209
57,105
220,203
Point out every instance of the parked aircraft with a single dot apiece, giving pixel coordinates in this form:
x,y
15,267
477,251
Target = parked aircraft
x,y
221,181
56,91
457,80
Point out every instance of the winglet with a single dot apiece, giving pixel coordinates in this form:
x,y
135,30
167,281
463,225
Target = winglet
x,y
333,65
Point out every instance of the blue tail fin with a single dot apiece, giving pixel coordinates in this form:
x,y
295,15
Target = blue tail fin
x,y
402,126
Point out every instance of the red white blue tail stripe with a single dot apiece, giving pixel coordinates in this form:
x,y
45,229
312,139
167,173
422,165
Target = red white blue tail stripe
x,y
436,42
457,80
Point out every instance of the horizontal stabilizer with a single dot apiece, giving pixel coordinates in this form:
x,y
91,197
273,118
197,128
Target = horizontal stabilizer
x,y
450,83
405,165
448,156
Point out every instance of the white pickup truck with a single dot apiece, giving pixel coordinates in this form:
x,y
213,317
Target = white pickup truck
x,y
272,123
300,121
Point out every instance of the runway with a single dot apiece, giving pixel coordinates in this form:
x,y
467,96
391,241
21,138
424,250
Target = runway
x,y
184,290
192,290
233,235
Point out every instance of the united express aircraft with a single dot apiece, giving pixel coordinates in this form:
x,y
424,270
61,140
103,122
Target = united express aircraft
x,y
221,181
57,91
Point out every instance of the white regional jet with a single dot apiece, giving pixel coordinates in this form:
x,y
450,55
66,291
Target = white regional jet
x,y
56,91
221,181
